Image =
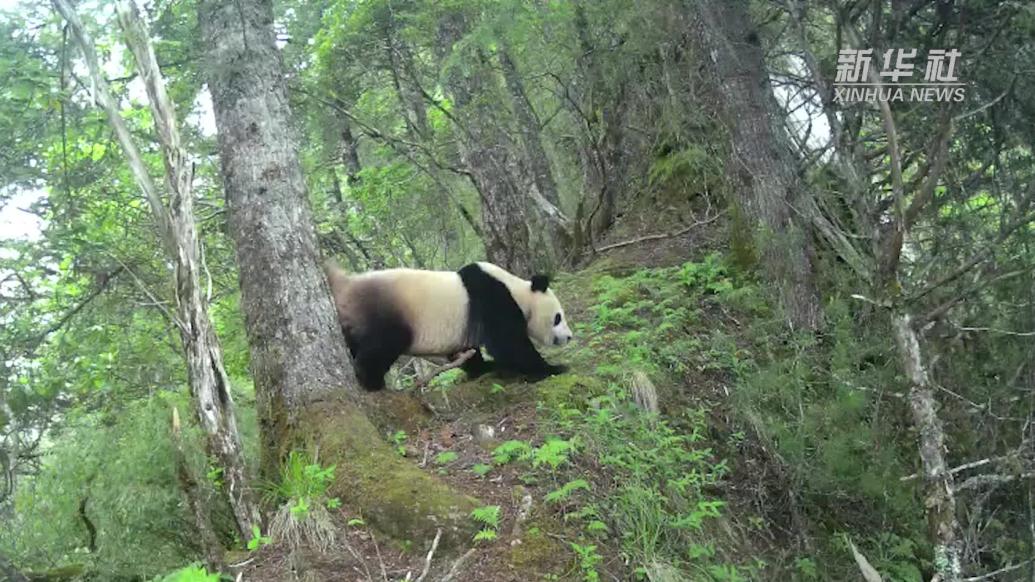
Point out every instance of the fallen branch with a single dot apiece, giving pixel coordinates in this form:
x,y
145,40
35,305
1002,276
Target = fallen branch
x,y
431,553
869,573
456,565
992,480
660,236
459,361
975,464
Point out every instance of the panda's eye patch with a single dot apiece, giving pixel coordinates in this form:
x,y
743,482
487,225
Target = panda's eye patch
x,y
557,319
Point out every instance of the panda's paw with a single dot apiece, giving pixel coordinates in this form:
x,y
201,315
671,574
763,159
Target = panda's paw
x,y
549,370
557,369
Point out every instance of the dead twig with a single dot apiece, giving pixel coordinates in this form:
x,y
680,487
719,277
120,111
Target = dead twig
x,y
459,361
996,573
431,553
457,564
679,232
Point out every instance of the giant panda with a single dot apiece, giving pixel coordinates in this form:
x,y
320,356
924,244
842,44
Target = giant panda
x,y
385,314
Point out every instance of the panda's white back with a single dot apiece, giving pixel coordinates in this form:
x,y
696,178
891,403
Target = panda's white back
x,y
434,303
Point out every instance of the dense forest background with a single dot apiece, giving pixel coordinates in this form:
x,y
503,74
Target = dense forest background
x,y
804,326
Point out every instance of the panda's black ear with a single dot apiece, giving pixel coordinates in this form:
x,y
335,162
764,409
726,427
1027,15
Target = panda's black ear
x,y
540,283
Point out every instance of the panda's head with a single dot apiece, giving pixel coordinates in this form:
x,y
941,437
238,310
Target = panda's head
x,y
547,323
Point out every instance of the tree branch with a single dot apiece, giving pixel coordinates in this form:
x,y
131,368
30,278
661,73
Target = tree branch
x,y
459,361
649,237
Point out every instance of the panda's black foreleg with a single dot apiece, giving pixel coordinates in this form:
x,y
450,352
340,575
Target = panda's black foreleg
x,y
476,365
517,355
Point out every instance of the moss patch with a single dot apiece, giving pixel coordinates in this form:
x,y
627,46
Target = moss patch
x,y
392,494
569,390
537,554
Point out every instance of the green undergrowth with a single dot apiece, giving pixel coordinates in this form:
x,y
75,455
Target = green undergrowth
x,y
107,501
644,485
670,322
760,432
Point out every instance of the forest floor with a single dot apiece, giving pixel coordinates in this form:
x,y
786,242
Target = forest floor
x,y
589,483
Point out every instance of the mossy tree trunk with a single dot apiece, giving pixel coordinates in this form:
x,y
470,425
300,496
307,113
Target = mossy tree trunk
x,y
306,392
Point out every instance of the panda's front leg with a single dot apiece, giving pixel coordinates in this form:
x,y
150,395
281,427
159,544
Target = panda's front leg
x,y
476,365
517,355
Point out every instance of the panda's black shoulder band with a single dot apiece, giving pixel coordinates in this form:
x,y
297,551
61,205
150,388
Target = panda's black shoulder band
x,y
495,321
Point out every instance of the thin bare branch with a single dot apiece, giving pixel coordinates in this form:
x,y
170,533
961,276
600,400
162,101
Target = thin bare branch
x,y
650,237
459,361
431,553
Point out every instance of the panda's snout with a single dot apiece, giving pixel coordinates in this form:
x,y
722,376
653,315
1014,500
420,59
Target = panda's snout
x,y
561,340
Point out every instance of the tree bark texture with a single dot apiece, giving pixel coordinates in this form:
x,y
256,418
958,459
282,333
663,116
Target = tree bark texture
x,y
485,155
761,163
306,392
209,383
528,129
603,110
545,197
938,483
350,152
298,352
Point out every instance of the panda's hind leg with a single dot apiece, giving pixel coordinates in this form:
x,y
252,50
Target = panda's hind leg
x,y
374,352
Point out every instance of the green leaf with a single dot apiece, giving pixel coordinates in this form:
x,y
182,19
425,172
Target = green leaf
x,y
485,535
445,457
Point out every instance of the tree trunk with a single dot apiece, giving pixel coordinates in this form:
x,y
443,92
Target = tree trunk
x,y
528,129
545,195
306,392
485,155
602,111
209,383
938,485
350,152
761,163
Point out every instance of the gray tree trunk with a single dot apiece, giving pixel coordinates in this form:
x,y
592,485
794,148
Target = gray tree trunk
x,y
602,112
487,158
545,198
761,162
298,353
350,153
307,395
939,489
528,129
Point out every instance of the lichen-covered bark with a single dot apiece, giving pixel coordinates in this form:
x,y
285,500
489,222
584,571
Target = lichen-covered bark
x,y
298,353
304,385
761,163
938,484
